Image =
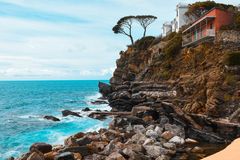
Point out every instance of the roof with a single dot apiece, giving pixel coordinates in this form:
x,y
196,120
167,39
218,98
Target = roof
x,y
197,22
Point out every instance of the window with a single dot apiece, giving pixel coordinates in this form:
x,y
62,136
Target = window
x,y
211,26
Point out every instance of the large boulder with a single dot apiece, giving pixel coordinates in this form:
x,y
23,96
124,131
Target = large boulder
x,y
42,147
104,89
66,113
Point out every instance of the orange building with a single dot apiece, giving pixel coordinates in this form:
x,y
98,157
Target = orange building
x,y
206,27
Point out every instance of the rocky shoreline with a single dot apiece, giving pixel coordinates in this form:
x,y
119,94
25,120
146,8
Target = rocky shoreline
x,y
153,128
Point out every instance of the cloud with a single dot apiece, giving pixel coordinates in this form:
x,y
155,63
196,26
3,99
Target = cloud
x,y
102,72
71,39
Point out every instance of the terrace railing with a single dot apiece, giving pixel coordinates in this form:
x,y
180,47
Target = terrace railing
x,y
194,38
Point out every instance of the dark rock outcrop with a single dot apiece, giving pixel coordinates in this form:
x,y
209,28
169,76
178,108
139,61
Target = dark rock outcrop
x,y
42,147
70,113
104,89
52,118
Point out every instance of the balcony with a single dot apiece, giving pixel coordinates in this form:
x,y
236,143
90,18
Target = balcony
x,y
198,36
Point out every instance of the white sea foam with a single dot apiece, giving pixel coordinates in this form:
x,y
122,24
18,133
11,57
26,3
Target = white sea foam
x,y
95,96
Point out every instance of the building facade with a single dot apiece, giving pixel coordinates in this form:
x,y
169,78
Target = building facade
x,y
166,29
181,18
205,28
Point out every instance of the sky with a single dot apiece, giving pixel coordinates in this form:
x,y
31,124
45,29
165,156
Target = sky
x,y
70,39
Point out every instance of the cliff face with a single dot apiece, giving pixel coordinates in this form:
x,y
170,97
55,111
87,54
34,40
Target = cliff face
x,y
197,79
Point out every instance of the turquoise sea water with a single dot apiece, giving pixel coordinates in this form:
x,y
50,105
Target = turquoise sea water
x,y
24,103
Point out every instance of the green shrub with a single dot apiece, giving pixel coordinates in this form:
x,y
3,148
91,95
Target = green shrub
x,y
157,40
196,8
170,36
173,46
165,74
144,43
233,59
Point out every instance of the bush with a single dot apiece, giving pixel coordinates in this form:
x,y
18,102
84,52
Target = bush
x,y
173,46
170,36
195,9
144,43
233,59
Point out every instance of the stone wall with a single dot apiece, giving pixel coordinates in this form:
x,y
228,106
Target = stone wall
x,y
228,36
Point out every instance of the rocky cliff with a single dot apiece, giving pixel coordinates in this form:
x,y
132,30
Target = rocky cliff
x,y
199,79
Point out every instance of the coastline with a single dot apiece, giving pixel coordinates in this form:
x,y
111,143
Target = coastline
x,y
128,137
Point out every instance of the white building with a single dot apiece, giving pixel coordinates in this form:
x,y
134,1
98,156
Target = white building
x,y
180,20
167,29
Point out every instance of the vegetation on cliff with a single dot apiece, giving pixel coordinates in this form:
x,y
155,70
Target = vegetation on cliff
x,y
125,25
198,8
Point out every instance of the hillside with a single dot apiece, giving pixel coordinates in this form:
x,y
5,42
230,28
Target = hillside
x,y
204,80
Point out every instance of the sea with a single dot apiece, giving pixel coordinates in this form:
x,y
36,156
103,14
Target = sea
x,y
24,103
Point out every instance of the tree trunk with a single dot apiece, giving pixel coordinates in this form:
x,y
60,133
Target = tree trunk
x,y
144,33
132,41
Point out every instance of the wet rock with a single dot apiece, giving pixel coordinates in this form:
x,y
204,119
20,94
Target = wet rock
x,y
97,146
78,135
95,157
86,109
99,102
138,138
115,156
152,113
135,120
50,155
52,118
191,141
36,156
155,151
42,147
151,133
65,156
83,141
148,141
171,146
158,130
163,157
197,149
97,116
175,130
77,156
167,135
70,141
66,113
109,148
104,89
138,109
83,150
139,129
150,127
177,140
25,156
135,147
10,158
